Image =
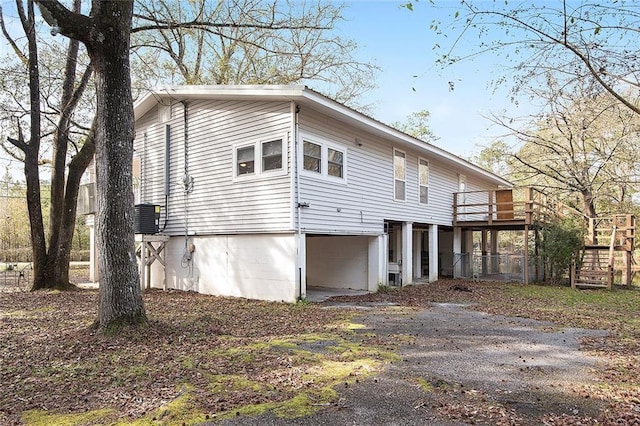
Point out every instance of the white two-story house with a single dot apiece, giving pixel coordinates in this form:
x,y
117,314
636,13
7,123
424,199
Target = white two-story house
x,y
266,191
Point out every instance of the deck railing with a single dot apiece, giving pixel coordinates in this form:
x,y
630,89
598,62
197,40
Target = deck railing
x,y
499,206
617,230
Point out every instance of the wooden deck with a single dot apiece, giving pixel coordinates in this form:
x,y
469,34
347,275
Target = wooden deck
x,y
511,208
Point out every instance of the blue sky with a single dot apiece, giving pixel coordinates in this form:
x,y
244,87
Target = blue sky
x,y
401,43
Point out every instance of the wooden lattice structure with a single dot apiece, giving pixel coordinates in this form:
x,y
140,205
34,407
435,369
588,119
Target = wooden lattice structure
x,y
608,248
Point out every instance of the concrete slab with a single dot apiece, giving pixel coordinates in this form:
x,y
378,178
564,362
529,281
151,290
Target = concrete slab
x,y
320,294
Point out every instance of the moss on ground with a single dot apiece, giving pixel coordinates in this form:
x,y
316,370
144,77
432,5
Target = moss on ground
x,y
46,418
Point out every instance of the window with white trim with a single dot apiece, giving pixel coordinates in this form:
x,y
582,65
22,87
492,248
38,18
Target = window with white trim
x,y
272,155
258,158
335,163
324,159
245,160
423,180
312,156
399,174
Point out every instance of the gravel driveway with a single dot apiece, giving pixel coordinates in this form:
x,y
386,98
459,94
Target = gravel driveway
x,y
460,366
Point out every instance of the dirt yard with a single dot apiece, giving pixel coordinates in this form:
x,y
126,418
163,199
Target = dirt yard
x,y
445,353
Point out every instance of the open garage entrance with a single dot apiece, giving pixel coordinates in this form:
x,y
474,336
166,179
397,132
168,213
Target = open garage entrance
x,y
338,261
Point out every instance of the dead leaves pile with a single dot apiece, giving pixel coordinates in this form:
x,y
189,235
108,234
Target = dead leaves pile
x,y
51,361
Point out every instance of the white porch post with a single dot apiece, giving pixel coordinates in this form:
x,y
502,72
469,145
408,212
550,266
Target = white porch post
x,y
397,245
417,254
407,253
385,258
377,262
301,270
457,251
433,253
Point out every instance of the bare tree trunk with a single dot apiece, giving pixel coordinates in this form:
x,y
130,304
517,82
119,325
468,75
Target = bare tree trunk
x,y
54,266
589,204
120,293
31,151
59,255
106,34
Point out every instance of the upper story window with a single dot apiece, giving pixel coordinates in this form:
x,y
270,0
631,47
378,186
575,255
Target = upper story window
x,y
259,158
399,173
272,155
312,156
423,176
324,159
335,161
246,160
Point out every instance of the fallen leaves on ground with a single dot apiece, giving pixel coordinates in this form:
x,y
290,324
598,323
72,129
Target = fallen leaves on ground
x,y
260,353
616,311
50,360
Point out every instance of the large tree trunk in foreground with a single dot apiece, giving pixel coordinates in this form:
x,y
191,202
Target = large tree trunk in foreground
x,y
120,293
106,33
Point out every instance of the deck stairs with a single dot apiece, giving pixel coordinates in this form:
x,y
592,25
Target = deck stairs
x,y
594,267
609,245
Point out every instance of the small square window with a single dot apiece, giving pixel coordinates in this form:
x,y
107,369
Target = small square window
x,y
272,155
245,160
312,157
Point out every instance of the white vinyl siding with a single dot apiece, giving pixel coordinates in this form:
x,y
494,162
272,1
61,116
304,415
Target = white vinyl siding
x,y
151,133
365,201
219,202
357,203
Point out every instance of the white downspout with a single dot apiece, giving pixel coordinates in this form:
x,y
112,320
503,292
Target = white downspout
x,y
300,245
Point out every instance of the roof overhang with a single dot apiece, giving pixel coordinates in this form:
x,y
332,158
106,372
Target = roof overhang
x,y
306,97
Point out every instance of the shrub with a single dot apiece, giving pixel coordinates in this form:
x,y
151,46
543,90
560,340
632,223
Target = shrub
x,y
561,242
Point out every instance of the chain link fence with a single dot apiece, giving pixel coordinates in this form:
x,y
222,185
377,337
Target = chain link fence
x,y
497,267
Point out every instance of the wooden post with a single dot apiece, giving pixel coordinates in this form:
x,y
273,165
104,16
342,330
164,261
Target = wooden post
x,y
528,207
455,208
592,229
526,255
626,276
143,263
491,197
484,251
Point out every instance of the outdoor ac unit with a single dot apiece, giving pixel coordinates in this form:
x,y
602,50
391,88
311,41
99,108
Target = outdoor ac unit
x,y
147,218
